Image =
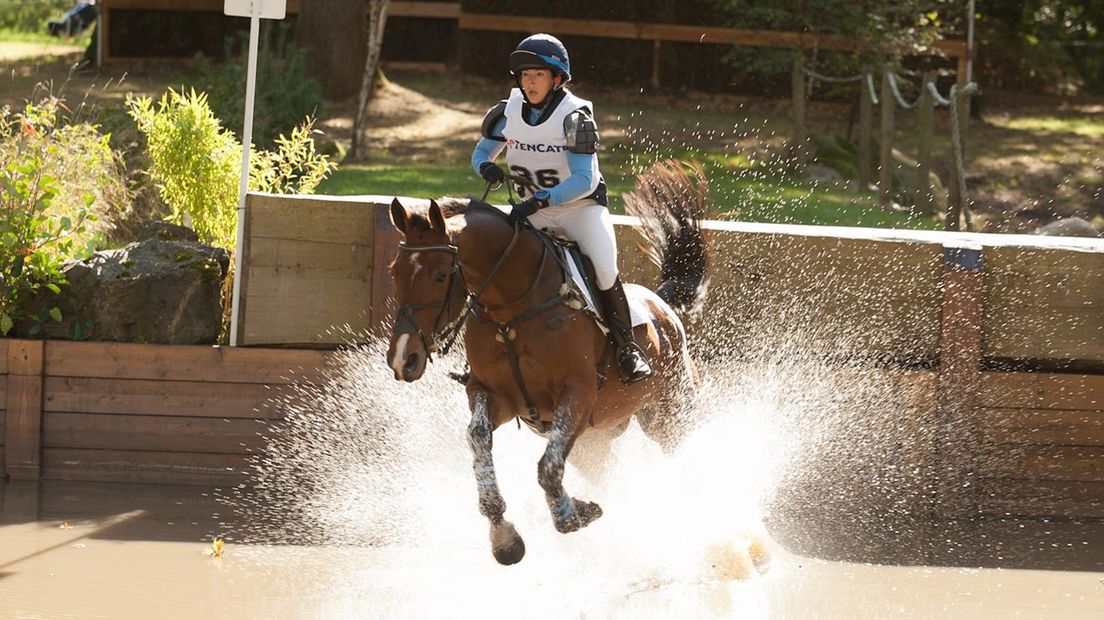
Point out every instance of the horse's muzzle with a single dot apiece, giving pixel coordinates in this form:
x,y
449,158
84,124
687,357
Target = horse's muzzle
x,y
412,368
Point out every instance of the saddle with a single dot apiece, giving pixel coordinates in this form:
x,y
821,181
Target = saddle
x,y
582,284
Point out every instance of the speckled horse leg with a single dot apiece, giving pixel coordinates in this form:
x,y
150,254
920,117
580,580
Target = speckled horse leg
x,y
568,514
506,544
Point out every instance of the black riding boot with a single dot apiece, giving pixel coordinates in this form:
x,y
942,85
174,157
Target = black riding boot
x,y
631,360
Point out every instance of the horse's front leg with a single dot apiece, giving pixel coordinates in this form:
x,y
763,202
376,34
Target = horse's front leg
x,y
568,514
506,544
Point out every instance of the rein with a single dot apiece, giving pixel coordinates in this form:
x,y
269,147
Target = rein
x,y
404,322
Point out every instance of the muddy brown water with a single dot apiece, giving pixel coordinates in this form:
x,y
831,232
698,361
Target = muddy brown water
x,y
83,550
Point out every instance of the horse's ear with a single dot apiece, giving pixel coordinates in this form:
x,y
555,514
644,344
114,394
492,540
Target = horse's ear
x,y
399,216
436,217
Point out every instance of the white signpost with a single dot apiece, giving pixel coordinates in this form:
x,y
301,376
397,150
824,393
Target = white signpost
x,y
255,10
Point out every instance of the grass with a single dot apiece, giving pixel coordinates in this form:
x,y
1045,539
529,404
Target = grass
x,y
1082,126
746,194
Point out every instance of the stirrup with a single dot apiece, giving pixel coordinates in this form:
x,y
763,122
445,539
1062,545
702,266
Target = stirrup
x,y
641,370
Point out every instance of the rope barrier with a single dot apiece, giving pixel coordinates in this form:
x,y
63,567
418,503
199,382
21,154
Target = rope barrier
x,y
873,92
952,102
830,78
892,77
939,100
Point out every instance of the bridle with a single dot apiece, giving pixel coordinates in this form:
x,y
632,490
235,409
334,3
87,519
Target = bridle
x,y
404,317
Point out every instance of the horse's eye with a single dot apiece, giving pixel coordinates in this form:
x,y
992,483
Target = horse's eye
x,y
440,278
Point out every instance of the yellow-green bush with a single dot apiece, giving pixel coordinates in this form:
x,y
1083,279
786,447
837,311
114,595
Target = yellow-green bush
x,y
195,162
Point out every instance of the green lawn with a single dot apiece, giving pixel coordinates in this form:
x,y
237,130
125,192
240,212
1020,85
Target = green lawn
x,y
739,193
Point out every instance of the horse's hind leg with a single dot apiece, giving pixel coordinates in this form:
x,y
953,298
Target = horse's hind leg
x,y
568,514
669,419
506,544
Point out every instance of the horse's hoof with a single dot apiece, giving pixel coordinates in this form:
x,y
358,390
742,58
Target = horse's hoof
x,y
585,513
506,544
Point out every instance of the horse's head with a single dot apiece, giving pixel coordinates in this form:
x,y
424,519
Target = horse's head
x,y
429,288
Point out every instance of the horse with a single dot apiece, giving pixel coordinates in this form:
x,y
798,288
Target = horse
x,y
532,353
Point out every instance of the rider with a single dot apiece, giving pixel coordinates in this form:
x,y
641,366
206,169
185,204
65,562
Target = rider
x,y
551,140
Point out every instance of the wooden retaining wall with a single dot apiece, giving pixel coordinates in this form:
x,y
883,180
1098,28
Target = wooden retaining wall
x,y
954,306
110,412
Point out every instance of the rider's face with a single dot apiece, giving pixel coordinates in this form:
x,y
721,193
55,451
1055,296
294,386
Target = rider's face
x,y
537,83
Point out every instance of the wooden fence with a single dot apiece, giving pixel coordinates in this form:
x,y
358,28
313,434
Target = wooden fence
x,y
657,33
109,412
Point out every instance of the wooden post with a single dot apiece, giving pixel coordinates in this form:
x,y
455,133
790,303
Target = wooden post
x,y
657,45
959,377
924,199
23,437
885,162
866,130
797,146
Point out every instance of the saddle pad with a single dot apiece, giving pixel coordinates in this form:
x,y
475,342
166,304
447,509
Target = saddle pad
x,y
637,310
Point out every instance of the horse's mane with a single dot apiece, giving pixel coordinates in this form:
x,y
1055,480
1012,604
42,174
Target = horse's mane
x,y
452,206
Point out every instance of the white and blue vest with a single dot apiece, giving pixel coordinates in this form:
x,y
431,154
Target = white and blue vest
x,y
539,152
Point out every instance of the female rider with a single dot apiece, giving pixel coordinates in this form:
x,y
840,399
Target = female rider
x,y
551,139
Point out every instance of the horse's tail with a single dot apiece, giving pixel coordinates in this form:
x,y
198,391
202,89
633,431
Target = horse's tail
x,y
671,203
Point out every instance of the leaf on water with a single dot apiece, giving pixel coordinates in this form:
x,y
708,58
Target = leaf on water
x,y
215,551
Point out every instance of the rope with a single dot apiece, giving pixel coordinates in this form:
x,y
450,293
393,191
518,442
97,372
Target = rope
x,y
830,78
892,77
939,100
873,92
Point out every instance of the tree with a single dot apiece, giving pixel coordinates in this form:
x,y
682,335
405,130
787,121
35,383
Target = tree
x,y
377,23
333,33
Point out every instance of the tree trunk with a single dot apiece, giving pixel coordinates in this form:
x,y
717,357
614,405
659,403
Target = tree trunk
x,y
332,31
377,23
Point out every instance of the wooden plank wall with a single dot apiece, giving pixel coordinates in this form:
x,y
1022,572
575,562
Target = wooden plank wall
x,y
1044,305
1041,444
308,267
109,412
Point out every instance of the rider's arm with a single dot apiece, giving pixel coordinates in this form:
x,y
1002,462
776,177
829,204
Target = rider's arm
x,y
581,181
582,154
493,141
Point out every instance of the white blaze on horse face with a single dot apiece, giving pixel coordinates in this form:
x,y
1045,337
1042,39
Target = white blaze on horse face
x,y
399,359
417,266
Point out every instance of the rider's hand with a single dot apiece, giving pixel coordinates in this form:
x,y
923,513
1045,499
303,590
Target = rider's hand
x,y
529,206
491,173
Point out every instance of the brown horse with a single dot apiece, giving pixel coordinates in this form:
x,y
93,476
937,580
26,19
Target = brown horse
x,y
532,353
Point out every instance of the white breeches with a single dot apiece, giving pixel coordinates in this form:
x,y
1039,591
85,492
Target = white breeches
x,y
588,225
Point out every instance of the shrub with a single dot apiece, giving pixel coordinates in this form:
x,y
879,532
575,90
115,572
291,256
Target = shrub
x,y
195,163
35,237
79,156
30,15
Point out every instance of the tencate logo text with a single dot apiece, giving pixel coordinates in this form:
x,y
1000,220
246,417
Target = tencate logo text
x,y
537,148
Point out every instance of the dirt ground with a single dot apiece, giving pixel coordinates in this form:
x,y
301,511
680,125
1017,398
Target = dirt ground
x,y
1031,158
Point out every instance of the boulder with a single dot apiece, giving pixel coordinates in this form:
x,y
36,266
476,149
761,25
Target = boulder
x,y
155,291
1068,227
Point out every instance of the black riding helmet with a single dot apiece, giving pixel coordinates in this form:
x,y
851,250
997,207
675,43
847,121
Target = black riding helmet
x,y
541,51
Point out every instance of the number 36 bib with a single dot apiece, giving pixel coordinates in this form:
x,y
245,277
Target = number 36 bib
x,y
539,152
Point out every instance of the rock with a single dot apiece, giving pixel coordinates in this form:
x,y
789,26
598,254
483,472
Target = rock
x,y
1068,227
154,291
167,231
